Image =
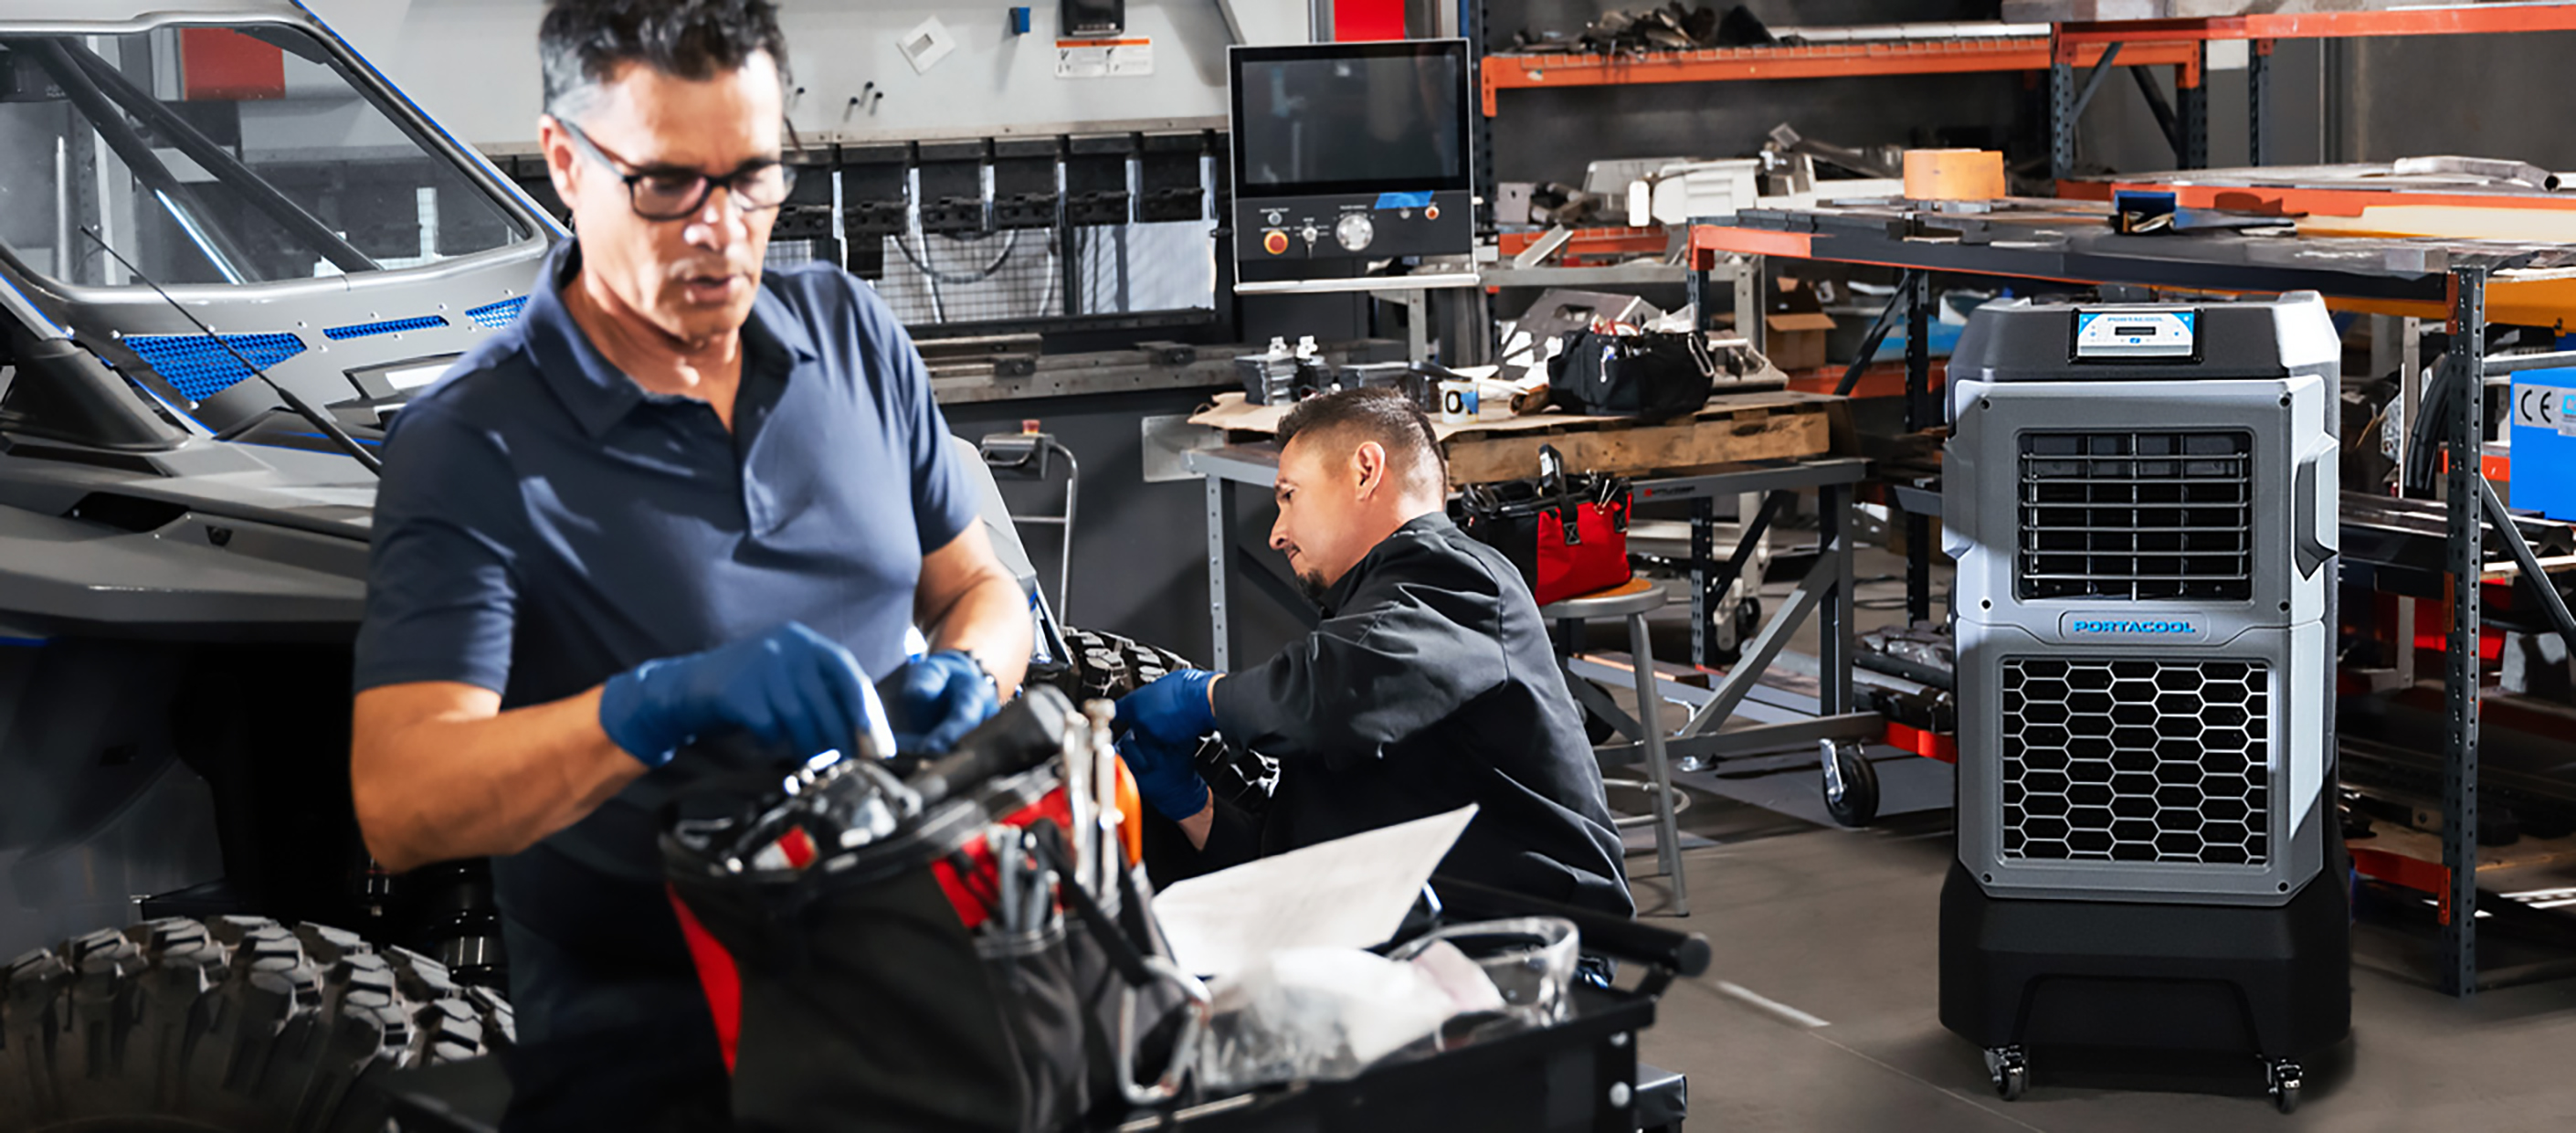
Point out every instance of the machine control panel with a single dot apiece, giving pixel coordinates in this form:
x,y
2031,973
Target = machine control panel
x,y
2136,332
1359,226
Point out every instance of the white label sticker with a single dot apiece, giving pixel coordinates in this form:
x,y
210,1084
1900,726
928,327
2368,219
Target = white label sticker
x,y
1103,58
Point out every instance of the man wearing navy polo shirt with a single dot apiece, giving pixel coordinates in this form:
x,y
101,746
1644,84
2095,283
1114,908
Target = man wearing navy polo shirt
x,y
675,520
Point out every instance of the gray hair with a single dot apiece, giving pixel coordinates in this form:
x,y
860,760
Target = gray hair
x,y
583,43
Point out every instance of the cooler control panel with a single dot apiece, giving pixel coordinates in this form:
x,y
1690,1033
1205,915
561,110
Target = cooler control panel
x,y
2136,332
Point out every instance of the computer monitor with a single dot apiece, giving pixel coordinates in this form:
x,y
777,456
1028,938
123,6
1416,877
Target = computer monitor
x,y
1347,151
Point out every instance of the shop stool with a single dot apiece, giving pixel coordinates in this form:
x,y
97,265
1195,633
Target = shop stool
x,y
1632,600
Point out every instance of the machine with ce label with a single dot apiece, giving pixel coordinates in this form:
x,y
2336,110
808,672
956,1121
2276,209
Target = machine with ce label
x,y
2142,504
2544,442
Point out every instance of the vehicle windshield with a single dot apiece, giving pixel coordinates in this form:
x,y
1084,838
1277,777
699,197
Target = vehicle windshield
x,y
211,155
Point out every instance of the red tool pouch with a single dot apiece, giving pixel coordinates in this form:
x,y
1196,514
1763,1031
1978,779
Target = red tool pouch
x,y
1568,534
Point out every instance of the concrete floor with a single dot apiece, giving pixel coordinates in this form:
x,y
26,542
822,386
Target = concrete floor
x,y
1840,926
1820,1008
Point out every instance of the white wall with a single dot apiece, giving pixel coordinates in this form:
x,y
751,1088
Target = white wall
x,y
472,65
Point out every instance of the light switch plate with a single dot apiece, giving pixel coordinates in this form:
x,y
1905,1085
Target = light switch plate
x,y
926,44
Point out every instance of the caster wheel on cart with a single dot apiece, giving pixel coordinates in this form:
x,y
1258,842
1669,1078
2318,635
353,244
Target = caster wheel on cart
x,y
1851,785
2284,1075
2009,1069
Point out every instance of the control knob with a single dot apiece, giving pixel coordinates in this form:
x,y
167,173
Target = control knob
x,y
1354,231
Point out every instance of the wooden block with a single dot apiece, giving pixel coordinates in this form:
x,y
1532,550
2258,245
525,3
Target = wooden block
x,y
1732,427
1751,434
1954,174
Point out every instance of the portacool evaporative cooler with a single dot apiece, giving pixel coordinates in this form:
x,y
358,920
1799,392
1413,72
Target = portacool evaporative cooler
x,y
2141,501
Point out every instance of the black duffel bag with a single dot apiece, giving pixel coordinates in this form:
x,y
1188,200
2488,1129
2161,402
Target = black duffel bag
x,y
864,977
1652,376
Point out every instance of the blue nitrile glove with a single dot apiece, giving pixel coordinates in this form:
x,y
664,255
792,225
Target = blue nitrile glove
x,y
789,686
1173,710
1167,775
934,701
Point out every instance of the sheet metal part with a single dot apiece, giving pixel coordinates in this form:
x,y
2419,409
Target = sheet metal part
x,y
2409,533
2111,11
1011,368
2073,241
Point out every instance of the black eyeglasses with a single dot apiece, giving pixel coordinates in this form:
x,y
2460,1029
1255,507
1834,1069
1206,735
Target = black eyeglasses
x,y
672,192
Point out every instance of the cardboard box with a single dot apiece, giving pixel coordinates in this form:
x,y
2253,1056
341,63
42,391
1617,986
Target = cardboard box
x,y
1795,328
1796,341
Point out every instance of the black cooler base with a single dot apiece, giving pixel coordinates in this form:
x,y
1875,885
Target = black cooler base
x,y
2274,982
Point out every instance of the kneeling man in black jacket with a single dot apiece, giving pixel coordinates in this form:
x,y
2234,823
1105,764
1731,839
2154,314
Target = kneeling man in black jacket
x,y
1429,684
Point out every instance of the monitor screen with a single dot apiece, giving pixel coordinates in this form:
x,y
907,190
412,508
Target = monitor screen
x,y
1355,117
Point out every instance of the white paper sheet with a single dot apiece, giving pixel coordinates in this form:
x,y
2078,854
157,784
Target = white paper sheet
x,y
1347,893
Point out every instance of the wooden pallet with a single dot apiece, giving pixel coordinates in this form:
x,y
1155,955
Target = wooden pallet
x,y
1734,427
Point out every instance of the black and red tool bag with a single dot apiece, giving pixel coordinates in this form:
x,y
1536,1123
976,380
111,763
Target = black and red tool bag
x,y
1568,533
848,928
1653,375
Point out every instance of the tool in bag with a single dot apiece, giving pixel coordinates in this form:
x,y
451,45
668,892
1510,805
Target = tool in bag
x,y
1653,375
960,943
1568,534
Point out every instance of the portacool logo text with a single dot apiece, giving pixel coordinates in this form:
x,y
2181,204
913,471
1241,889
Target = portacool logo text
x,y
2131,627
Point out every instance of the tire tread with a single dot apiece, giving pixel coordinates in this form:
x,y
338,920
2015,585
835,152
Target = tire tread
x,y
235,1023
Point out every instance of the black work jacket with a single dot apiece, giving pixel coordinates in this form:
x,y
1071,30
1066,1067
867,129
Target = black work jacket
x,y
1429,685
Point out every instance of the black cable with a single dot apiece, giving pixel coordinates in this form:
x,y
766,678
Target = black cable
x,y
1878,328
922,260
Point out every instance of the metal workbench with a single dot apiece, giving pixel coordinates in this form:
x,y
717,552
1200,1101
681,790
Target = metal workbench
x,y
2074,242
1824,593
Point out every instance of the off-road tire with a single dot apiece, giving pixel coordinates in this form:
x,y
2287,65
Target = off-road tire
x,y
227,1023
1107,666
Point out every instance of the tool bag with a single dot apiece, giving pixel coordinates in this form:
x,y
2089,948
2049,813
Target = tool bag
x,y
849,929
1654,376
1568,534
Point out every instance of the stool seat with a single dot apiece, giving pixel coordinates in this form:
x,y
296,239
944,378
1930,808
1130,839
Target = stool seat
x,y
1635,596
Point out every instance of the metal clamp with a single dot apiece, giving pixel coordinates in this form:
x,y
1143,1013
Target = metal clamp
x,y
1185,1047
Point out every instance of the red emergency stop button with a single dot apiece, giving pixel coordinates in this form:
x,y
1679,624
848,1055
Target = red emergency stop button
x,y
1274,242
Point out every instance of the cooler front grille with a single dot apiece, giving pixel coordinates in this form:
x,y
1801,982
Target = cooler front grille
x,y
2136,761
2136,515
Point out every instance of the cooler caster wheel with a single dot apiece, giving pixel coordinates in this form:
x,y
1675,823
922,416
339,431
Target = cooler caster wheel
x,y
2284,1075
1851,784
2009,1069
